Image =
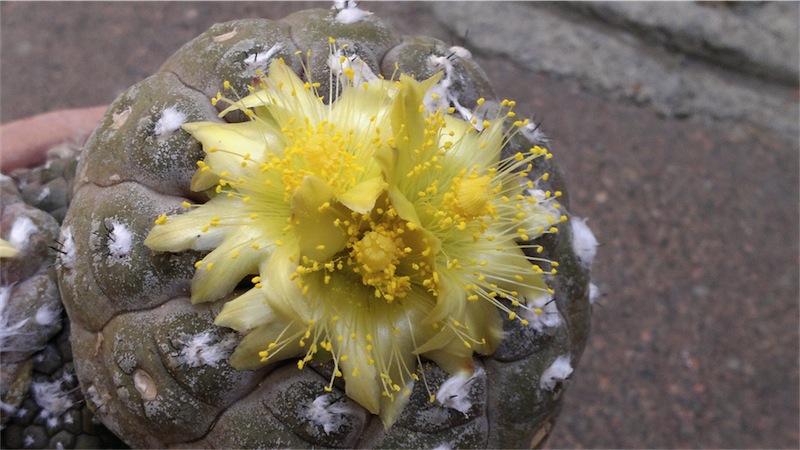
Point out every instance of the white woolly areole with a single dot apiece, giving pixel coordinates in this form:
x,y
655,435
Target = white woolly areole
x,y
43,194
440,96
594,293
261,59
53,399
545,202
171,119
21,231
460,52
454,392
7,328
436,99
541,312
556,373
532,132
361,70
205,349
329,416
583,242
349,12
46,316
67,250
120,240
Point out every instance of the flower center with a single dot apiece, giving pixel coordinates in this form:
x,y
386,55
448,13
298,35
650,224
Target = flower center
x,y
472,196
378,251
376,256
319,153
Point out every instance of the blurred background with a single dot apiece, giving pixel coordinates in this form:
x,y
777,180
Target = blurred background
x,y
677,127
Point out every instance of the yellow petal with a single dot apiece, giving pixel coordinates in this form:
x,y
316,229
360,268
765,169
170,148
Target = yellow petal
x,y
361,381
361,198
220,272
474,149
285,97
408,122
512,271
228,145
405,209
386,157
282,293
318,236
450,301
363,108
246,356
453,358
246,312
186,231
449,350
391,408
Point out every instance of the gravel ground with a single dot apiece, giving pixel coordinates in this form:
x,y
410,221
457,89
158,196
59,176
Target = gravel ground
x,y
680,146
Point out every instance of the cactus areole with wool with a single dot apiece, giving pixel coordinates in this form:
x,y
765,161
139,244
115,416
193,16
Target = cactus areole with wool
x,y
314,232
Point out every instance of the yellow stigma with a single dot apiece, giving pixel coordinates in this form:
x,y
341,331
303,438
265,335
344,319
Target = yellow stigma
x,y
378,253
471,196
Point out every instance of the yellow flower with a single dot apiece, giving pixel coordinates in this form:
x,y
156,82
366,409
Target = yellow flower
x,y
374,230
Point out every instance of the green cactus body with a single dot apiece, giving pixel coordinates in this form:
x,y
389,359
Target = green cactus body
x,y
154,366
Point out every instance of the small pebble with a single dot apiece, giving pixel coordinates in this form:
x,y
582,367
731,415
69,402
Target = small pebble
x,y
48,360
88,441
62,439
35,436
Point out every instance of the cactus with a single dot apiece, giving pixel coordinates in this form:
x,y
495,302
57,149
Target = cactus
x,y
201,269
42,406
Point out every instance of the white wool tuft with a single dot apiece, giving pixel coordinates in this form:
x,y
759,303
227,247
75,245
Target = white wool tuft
x,y
349,12
460,52
53,399
46,316
436,99
556,373
120,240
261,59
532,132
441,96
21,231
171,119
325,414
583,242
7,408
67,250
361,70
43,194
454,392
594,293
8,330
205,349
541,312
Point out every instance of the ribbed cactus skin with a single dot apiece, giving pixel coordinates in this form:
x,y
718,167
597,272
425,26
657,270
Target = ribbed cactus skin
x,y
132,319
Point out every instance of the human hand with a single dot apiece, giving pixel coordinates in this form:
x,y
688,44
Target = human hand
x,y
24,142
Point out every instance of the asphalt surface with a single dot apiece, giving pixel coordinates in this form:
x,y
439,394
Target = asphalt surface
x,y
695,343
